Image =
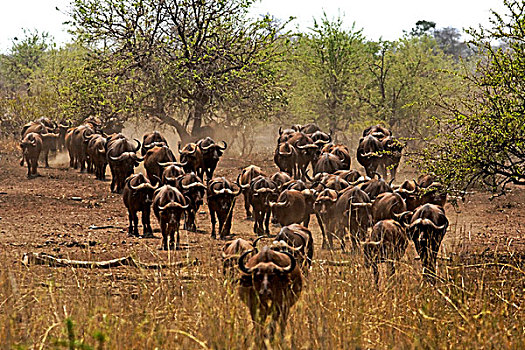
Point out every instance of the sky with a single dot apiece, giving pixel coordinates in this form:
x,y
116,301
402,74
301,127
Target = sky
x,y
378,18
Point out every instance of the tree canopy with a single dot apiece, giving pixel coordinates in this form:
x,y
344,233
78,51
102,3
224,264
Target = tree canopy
x,y
484,139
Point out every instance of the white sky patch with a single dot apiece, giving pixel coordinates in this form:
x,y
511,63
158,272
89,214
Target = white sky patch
x,y
378,18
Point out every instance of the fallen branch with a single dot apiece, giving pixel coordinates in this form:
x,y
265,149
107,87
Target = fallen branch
x,y
50,260
336,263
95,227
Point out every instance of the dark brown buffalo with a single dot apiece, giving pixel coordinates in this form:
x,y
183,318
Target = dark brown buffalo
x,y
232,250
309,128
353,177
392,149
46,129
280,178
78,144
306,152
408,190
353,214
298,240
427,228
416,195
388,243
324,206
262,192
378,131
334,182
369,154
63,127
425,180
298,185
138,196
270,285
374,187
211,154
122,160
191,157
95,123
193,189
285,134
31,147
153,160
285,157
327,163
151,140
169,205
293,207
386,205
221,201
321,138
244,180
170,174
96,152
341,151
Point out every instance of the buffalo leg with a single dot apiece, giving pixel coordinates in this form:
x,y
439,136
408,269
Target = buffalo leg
x,y
131,217
213,222
227,224
267,221
320,222
28,162
46,158
247,204
164,230
146,224
375,270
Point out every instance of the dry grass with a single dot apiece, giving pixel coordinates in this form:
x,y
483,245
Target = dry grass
x,y
476,305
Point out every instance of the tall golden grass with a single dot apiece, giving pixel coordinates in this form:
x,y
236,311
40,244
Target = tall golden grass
x,y
475,304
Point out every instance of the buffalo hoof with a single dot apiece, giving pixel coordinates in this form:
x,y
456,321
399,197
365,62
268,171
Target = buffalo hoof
x,y
148,235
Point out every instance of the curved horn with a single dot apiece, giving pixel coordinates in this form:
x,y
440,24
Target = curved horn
x,y
193,184
242,267
140,186
243,187
174,205
138,145
254,243
361,205
225,145
207,147
280,131
121,157
292,265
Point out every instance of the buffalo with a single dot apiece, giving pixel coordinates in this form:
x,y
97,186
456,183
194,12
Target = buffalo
x,y
151,140
293,207
427,228
221,201
299,241
154,159
211,154
193,189
138,196
169,205
122,160
388,243
244,180
270,285
262,192
31,147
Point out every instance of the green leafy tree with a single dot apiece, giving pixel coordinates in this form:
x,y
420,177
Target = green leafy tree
x,y
189,57
484,140
323,71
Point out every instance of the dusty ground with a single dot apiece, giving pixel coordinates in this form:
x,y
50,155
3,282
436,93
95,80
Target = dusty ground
x,y
53,213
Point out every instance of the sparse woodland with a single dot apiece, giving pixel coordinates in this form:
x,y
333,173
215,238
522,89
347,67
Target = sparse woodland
x,y
455,100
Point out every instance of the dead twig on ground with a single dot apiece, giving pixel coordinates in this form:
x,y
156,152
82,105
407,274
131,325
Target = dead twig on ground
x,y
50,260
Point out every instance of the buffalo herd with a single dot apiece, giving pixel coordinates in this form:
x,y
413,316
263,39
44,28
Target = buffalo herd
x,y
359,212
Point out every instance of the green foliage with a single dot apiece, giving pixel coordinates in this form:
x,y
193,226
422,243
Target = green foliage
x,y
184,56
485,140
